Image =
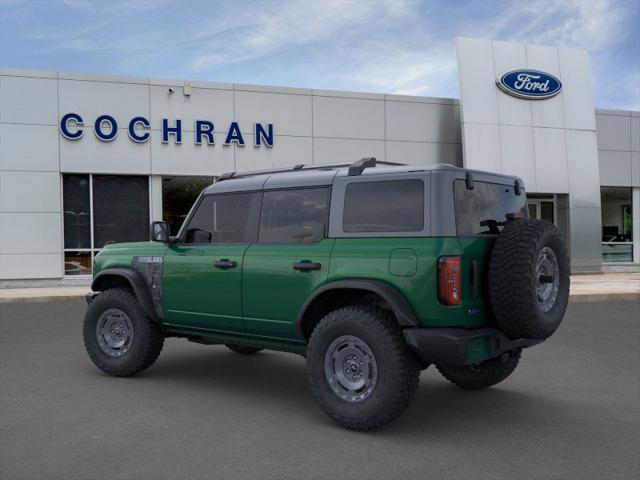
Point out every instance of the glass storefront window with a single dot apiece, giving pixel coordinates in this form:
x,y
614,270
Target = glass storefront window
x,y
77,263
77,215
99,210
617,224
120,209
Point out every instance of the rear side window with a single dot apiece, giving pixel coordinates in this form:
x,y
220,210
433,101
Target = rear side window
x,y
389,206
294,216
484,209
229,218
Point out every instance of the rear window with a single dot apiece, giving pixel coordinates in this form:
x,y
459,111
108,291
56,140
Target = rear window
x,y
484,209
389,206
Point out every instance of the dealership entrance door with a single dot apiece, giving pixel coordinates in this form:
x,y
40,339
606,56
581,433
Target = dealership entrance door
x,y
542,207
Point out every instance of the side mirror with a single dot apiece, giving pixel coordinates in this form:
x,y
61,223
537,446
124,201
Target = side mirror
x,y
160,232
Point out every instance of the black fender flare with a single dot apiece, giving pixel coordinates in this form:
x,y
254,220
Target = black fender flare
x,y
400,306
137,282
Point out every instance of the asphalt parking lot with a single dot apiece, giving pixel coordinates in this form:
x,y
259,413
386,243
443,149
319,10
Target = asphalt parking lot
x,y
570,411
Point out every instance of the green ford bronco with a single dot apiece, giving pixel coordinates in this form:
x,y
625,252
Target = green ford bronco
x,y
370,273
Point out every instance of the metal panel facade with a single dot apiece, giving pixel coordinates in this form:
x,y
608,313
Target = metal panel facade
x,y
561,135
549,143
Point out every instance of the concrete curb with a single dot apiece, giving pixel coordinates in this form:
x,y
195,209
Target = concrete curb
x,y
43,299
41,295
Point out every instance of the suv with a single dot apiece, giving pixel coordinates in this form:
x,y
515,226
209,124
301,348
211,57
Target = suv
x,y
372,274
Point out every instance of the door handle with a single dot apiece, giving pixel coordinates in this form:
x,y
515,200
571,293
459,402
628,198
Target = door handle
x,y
225,264
306,266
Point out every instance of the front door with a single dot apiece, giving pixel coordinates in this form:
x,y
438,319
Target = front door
x,y
290,260
202,277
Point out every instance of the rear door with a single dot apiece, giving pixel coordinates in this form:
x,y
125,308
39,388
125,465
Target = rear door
x,y
202,278
290,260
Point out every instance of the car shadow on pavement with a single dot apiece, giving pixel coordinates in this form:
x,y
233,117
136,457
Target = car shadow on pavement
x,y
278,381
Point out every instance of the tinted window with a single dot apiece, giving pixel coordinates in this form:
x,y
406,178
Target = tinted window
x,y
483,209
294,216
178,196
391,206
229,218
120,209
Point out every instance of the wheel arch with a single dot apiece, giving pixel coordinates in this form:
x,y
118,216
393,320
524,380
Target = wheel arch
x,y
344,292
126,277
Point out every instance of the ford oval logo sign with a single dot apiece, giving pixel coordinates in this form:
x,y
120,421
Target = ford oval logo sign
x,y
529,84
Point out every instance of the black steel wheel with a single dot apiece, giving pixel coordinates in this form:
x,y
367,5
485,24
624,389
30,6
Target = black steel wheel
x,y
350,368
119,337
360,369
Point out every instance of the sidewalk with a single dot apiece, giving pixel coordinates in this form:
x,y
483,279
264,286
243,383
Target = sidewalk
x,y
43,294
607,287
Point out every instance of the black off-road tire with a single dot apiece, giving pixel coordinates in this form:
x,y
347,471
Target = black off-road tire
x,y
397,369
146,343
243,349
515,301
484,375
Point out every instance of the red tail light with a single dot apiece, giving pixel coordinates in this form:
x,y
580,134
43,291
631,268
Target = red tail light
x,y
450,292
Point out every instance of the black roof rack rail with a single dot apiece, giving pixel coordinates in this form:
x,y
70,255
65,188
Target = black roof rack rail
x,y
356,168
469,180
300,167
296,168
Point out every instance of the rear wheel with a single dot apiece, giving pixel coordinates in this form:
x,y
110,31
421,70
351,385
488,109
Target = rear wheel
x,y
359,367
476,377
243,349
119,337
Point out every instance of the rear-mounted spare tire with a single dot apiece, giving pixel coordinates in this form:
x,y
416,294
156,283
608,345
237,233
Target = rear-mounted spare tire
x,y
529,279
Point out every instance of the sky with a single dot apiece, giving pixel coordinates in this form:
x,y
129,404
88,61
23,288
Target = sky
x,y
403,47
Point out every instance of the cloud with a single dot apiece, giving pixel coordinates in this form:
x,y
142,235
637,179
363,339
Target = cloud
x,y
292,25
401,47
590,24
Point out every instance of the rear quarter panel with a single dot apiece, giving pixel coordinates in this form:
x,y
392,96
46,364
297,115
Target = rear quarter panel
x,y
370,258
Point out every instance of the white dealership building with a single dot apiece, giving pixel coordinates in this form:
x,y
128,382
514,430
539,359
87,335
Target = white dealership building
x,y
88,160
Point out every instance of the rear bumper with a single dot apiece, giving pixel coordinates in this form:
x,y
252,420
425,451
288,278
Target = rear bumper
x,y
457,347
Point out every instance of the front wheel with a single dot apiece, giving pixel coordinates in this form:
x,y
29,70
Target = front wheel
x,y
488,373
360,369
119,337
